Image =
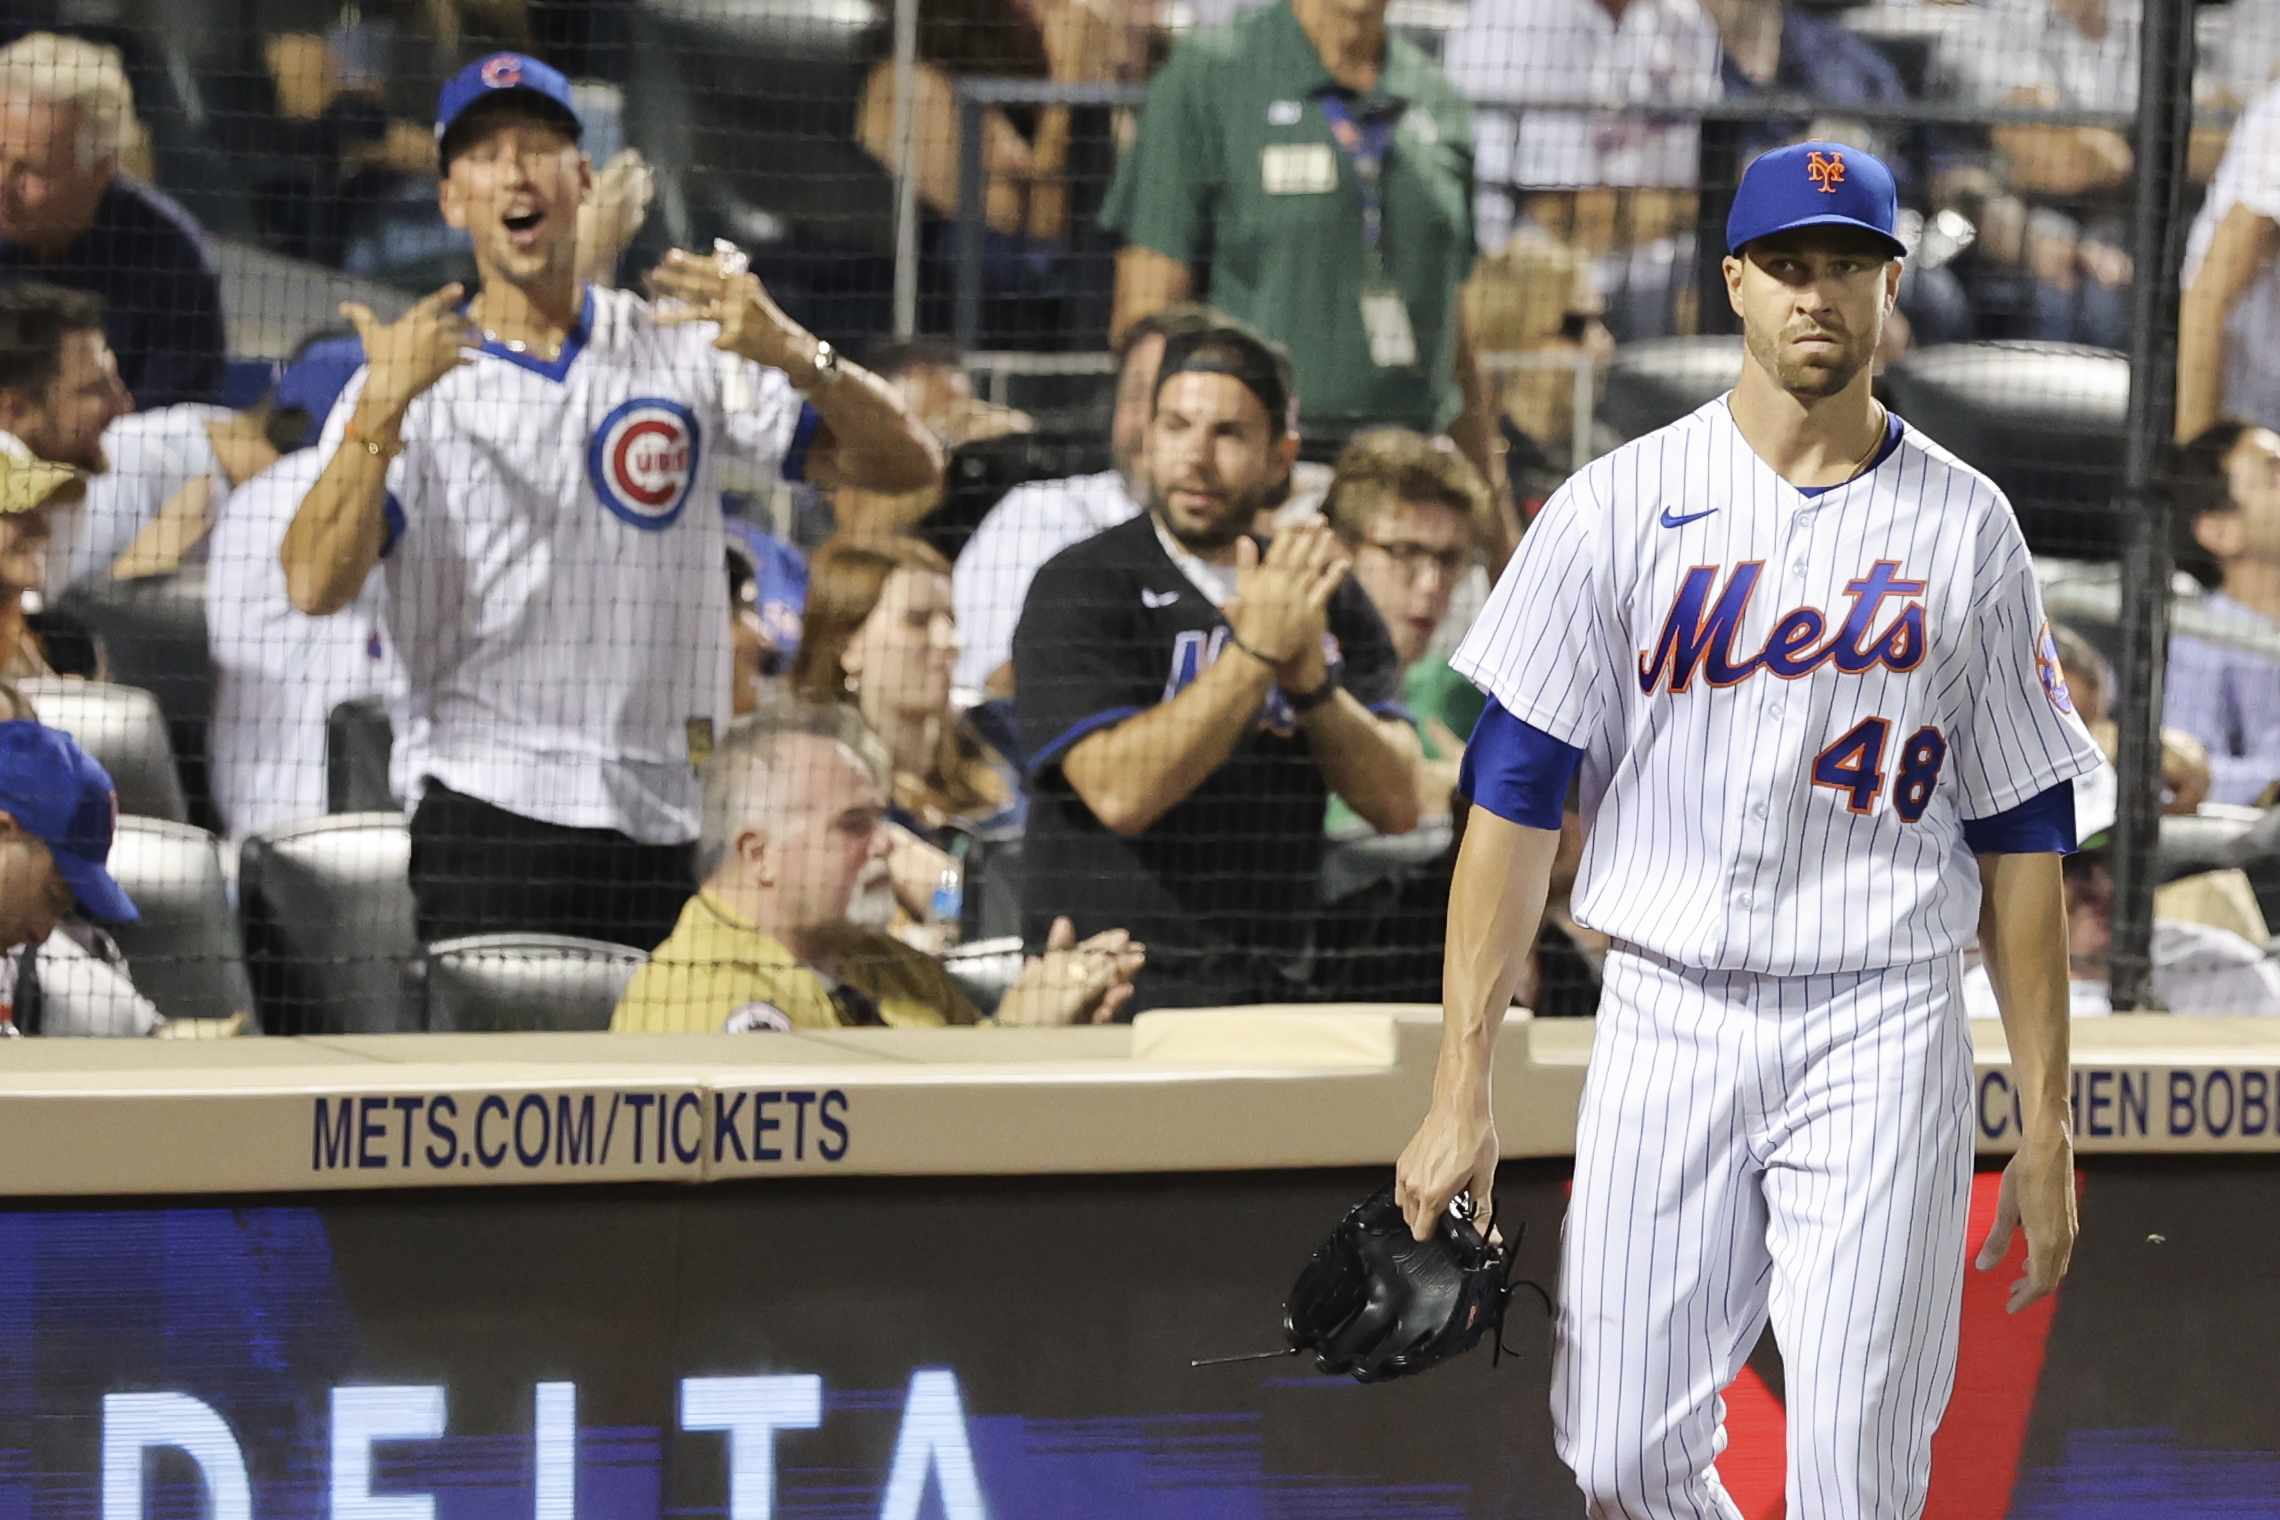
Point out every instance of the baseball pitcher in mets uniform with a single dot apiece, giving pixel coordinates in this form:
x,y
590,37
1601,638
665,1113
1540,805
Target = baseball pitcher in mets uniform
x,y
1795,652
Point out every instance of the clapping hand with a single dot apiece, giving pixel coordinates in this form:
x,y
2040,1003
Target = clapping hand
x,y
1282,600
1072,983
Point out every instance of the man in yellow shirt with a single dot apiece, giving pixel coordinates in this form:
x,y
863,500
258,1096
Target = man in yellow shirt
x,y
794,818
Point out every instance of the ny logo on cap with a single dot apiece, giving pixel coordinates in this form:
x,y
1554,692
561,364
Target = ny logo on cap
x,y
505,72
1825,170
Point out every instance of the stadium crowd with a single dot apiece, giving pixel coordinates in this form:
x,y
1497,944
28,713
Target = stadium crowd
x,y
845,696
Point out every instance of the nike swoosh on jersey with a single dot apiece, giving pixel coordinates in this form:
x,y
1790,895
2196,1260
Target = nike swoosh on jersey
x,y
1669,521
1160,598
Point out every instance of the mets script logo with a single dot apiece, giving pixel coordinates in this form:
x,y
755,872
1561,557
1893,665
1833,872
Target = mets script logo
x,y
1699,634
643,460
2050,672
503,72
1825,170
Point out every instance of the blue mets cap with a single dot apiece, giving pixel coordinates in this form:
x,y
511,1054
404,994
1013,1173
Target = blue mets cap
x,y
1815,184
317,375
503,73
58,794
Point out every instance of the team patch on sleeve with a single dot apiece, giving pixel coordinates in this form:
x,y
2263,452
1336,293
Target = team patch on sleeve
x,y
643,460
2050,672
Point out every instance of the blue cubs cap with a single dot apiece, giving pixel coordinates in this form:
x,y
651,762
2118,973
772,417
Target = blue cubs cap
x,y
58,794
1815,184
504,73
317,375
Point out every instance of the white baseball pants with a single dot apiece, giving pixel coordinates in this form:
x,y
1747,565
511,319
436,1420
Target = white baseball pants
x,y
1755,1146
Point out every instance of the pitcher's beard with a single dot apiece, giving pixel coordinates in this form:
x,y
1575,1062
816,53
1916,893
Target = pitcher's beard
x,y
1816,381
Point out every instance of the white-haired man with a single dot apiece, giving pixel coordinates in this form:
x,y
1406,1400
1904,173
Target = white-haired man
x,y
69,217
795,825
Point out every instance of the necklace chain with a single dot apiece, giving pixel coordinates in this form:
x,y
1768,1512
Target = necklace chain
x,y
515,345
1883,425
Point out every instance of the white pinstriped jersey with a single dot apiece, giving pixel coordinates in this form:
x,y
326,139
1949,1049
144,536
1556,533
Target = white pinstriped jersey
x,y
556,591
278,673
1787,704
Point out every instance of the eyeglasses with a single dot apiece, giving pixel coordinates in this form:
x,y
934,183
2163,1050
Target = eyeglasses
x,y
1413,557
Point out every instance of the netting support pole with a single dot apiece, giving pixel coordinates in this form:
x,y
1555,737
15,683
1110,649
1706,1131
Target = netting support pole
x,y
906,166
973,191
2161,138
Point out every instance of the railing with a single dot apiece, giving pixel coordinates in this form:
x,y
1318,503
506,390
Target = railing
x,y
992,369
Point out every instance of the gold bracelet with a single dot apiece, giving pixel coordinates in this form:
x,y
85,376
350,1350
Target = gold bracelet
x,y
372,446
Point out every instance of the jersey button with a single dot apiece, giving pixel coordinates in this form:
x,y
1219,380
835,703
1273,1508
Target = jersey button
x,y
1798,569
1758,811
1741,899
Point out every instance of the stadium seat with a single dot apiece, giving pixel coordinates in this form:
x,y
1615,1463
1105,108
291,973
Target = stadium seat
x,y
984,969
357,742
122,727
993,888
1652,385
2043,420
184,953
2210,842
526,981
154,636
329,926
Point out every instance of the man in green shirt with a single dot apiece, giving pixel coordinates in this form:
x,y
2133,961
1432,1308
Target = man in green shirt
x,y
1311,174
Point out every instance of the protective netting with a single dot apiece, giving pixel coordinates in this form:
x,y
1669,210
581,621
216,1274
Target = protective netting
x,y
408,680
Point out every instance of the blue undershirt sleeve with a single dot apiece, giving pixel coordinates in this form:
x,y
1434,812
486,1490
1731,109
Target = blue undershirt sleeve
x,y
1516,770
2041,825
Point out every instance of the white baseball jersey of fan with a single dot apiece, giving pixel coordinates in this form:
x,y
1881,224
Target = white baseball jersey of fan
x,y
556,590
151,456
1788,704
278,673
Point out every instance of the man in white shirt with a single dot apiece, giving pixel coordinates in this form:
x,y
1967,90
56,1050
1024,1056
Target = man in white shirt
x,y
2198,968
539,471
2050,264
2228,326
1036,521
279,673
151,457
1581,79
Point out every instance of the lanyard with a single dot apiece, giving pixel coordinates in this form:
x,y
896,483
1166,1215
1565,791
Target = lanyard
x,y
1365,143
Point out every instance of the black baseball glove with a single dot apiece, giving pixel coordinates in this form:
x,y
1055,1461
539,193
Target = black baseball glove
x,y
1378,1303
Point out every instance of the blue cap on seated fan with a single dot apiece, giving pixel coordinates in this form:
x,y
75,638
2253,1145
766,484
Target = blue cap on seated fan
x,y
59,795
498,73
1815,184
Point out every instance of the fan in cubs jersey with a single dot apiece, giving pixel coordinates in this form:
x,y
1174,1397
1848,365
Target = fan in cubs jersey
x,y
539,471
1796,650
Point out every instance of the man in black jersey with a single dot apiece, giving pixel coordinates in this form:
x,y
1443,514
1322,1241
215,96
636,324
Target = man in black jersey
x,y
1190,696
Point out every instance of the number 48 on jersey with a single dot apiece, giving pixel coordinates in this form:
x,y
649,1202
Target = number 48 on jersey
x,y
1855,765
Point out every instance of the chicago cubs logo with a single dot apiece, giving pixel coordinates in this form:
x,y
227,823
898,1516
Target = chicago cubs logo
x,y
503,72
1825,170
2050,672
643,459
